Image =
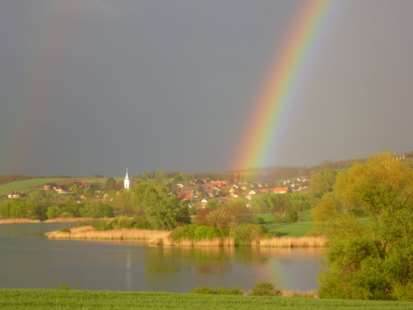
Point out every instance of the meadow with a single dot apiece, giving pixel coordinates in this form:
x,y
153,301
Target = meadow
x,y
31,184
304,226
26,185
39,299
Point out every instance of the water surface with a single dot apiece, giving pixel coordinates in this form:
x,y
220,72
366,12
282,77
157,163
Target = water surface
x,y
28,260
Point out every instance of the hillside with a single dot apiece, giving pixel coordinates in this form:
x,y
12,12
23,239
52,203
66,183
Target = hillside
x,y
28,184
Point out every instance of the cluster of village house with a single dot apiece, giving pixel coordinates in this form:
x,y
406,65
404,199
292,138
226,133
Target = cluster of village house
x,y
203,190
196,191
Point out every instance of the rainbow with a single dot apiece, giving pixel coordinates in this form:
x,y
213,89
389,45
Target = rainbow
x,y
281,84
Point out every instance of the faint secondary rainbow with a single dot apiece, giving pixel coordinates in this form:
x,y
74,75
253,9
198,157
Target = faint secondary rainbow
x,y
40,82
281,84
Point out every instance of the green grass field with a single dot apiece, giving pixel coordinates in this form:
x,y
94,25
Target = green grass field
x,y
297,229
31,184
301,228
36,299
26,185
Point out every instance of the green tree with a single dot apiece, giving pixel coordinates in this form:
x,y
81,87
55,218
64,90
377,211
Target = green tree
x,y
325,209
371,257
229,215
162,209
322,182
125,203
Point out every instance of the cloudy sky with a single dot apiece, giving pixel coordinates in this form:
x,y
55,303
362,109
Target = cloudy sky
x,y
95,86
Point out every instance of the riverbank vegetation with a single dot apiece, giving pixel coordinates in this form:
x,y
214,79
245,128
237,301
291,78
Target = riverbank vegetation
x,y
41,299
365,211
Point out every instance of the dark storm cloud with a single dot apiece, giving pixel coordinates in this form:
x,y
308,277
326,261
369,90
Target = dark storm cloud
x,y
169,84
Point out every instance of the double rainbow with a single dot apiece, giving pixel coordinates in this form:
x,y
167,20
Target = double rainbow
x,y
281,84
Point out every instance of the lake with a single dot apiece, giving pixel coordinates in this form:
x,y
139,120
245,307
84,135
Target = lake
x,y
29,260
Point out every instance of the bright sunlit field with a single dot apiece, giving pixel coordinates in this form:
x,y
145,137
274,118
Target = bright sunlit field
x,y
70,299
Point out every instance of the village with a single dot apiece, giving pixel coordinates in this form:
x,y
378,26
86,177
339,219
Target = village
x,y
193,190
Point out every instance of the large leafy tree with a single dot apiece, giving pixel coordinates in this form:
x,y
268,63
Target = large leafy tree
x,y
161,207
322,182
371,254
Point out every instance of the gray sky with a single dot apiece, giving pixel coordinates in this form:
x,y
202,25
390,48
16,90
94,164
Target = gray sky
x,y
95,86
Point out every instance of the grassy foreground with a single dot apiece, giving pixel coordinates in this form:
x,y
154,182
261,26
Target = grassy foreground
x,y
73,299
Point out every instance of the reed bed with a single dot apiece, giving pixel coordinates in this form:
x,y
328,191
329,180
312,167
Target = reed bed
x,y
294,242
162,238
18,221
155,237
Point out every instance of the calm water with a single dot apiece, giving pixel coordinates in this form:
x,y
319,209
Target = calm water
x,y
27,259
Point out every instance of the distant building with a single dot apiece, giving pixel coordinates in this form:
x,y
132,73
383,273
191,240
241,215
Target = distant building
x,y
126,181
14,195
47,187
186,196
61,190
280,190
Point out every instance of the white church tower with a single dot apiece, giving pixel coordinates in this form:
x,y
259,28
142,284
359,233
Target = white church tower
x,y
126,181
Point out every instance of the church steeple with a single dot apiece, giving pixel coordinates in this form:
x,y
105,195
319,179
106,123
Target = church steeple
x,y
126,181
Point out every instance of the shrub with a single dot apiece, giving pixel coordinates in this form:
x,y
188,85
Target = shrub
x,y
403,292
63,210
204,290
121,222
196,232
230,215
96,210
245,234
265,289
13,209
102,225
217,291
291,216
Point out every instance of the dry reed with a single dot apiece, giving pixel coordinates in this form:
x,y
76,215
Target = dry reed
x,y
162,237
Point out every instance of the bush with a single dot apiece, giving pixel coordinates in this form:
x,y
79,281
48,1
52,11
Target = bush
x,y
102,225
245,234
217,291
196,232
265,289
291,216
63,210
121,222
230,215
13,209
96,210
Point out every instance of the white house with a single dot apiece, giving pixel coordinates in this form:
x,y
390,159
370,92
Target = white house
x,y
14,195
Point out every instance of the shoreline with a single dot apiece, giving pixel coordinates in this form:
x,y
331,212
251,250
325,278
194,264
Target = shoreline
x,y
55,220
162,238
